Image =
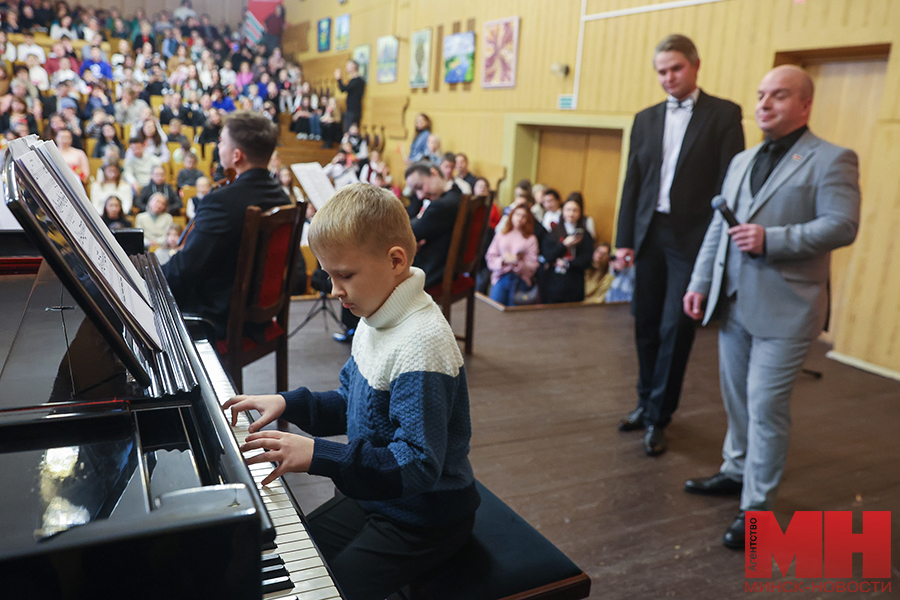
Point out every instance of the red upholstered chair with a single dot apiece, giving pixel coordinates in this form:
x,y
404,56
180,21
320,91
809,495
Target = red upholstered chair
x,y
467,247
261,299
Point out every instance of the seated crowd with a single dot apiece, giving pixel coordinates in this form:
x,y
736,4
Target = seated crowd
x,y
136,105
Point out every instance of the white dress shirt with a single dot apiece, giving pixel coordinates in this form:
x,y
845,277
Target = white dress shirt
x,y
677,119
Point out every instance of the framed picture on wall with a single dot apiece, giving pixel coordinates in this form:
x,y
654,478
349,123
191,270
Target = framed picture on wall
x,y
499,47
419,58
342,32
387,59
459,57
324,34
363,56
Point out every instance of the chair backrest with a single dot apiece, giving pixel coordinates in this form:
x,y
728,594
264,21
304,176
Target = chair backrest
x,y
266,265
469,237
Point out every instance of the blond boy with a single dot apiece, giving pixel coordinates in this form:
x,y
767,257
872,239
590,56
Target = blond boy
x,y
407,494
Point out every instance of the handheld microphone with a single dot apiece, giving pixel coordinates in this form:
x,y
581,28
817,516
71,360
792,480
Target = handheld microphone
x,y
720,205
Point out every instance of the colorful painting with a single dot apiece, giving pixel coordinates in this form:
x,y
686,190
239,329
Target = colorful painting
x,y
420,58
324,34
499,47
363,56
387,59
342,32
459,57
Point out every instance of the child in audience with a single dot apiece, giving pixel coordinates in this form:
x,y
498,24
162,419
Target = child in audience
x,y
567,249
286,179
113,215
108,136
552,209
513,256
190,173
175,133
597,278
181,151
170,246
155,221
407,496
537,192
588,221
204,185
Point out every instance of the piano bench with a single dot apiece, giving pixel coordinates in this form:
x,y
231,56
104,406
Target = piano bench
x,y
505,559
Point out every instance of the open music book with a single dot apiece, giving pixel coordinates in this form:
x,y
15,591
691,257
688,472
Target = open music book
x,y
315,183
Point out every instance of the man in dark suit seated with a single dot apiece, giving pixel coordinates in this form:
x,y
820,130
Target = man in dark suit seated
x,y
202,274
433,211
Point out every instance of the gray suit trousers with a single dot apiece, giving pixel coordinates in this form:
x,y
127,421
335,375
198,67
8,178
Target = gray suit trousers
x,y
757,376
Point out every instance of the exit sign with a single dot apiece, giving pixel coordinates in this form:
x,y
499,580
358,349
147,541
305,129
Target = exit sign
x,y
565,102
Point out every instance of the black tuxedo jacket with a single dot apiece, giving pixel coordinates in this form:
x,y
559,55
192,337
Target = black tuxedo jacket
x,y
435,226
714,136
202,274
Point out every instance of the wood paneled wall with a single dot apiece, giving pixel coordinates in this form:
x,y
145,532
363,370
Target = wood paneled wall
x,y
738,42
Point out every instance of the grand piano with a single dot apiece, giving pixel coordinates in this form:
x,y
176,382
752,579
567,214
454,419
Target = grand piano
x,y
120,476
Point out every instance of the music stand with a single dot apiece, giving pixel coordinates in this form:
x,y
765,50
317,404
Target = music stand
x,y
321,305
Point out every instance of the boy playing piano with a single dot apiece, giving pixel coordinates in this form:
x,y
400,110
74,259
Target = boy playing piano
x,y
407,494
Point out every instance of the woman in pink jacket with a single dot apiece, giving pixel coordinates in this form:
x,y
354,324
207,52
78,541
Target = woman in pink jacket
x,y
513,256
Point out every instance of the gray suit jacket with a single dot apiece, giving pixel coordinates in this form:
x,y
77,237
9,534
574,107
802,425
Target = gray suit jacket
x,y
808,206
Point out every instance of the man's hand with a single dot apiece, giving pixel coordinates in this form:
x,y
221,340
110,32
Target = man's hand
x,y
624,258
337,74
749,237
693,305
270,408
292,452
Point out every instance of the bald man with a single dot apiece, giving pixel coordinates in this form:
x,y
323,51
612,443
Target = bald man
x,y
796,198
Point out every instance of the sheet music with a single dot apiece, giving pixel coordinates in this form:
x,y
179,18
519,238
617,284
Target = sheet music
x,y
77,194
315,183
121,293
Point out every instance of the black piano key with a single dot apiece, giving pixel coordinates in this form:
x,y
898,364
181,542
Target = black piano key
x,y
273,571
269,545
272,559
277,584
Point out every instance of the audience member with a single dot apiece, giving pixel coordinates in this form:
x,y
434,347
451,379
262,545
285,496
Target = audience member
x,y
111,183
171,244
204,185
190,173
29,47
113,215
552,209
158,185
446,166
433,153
139,164
512,257
355,88
462,169
75,158
419,146
130,109
568,250
155,221
597,277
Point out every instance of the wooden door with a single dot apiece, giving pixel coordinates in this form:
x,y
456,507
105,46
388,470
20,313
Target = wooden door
x,y
845,109
587,161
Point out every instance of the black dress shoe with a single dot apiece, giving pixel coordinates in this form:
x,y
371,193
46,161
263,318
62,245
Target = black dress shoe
x,y
719,484
734,535
344,338
654,441
634,420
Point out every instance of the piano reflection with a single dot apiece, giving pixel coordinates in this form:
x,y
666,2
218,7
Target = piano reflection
x,y
120,476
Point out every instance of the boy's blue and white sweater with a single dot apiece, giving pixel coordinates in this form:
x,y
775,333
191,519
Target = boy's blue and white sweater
x,y
404,405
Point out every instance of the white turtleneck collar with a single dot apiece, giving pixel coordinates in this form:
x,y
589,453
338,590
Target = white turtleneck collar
x,y
407,298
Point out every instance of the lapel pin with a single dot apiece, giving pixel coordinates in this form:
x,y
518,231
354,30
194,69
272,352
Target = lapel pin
x,y
796,158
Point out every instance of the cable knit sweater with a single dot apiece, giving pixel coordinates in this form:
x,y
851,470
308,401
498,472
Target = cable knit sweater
x,y
404,405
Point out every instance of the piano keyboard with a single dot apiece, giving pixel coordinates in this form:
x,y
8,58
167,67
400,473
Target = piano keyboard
x,y
303,575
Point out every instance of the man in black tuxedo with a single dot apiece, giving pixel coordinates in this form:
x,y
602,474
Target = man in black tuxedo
x,y
202,274
680,151
433,210
354,88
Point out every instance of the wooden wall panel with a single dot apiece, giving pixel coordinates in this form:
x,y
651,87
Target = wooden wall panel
x,y
738,42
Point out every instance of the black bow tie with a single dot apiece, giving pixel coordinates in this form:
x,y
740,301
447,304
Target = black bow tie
x,y
673,104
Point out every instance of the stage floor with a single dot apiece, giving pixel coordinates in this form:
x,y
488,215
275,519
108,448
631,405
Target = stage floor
x,y
547,388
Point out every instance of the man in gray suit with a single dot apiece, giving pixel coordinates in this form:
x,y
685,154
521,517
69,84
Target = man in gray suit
x,y
796,198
